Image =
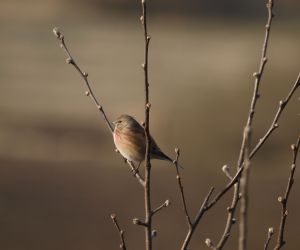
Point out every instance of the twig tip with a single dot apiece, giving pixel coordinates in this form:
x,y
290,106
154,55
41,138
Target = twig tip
x,y
208,242
57,33
167,203
271,231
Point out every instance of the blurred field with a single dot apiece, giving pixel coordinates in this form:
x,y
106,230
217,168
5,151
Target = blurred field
x,y
60,178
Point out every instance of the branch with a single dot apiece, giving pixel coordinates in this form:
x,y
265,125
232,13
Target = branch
x,y
84,75
258,76
90,93
274,124
121,232
147,188
225,170
135,172
197,219
284,200
269,237
234,180
165,204
206,205
244,183
178,177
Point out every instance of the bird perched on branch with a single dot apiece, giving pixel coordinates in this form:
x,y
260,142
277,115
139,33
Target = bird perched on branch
x,y
130,140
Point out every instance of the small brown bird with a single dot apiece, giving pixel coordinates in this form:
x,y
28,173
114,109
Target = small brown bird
x,y
130,140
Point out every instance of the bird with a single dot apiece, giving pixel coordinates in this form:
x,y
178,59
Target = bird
x,y
130,140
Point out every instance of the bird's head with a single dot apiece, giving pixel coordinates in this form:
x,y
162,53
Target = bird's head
x,y
125,121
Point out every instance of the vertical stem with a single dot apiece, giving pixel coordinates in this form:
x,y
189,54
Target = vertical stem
x,y
244,183
147,187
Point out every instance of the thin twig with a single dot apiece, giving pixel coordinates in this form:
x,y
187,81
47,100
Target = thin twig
x,y
121,232
225,170
195,222
90,93
178,177
269,237
284,200
135,172
84,75
191,225
165,204
274,124
147,186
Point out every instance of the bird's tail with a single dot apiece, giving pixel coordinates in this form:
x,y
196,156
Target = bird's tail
x,y
163,156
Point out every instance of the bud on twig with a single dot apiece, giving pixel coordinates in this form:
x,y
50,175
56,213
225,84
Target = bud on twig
x,y
256,74
233,220
57,33
153,233
69,60
208,242
167,203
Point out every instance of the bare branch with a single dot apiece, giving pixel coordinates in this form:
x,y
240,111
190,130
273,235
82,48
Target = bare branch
x,y
147,187
165,204
284,200
274,124
135,172
90,93
121,232
197,219
209,204
269,237
244,183
258,76
178,177
84,75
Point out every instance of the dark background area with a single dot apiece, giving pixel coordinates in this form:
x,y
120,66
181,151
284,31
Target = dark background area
x,y
60,178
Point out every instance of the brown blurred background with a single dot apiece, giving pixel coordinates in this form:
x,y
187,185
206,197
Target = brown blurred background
x,y
60,178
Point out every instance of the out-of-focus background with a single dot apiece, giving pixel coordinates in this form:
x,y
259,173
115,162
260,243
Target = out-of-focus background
x,y
60,178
